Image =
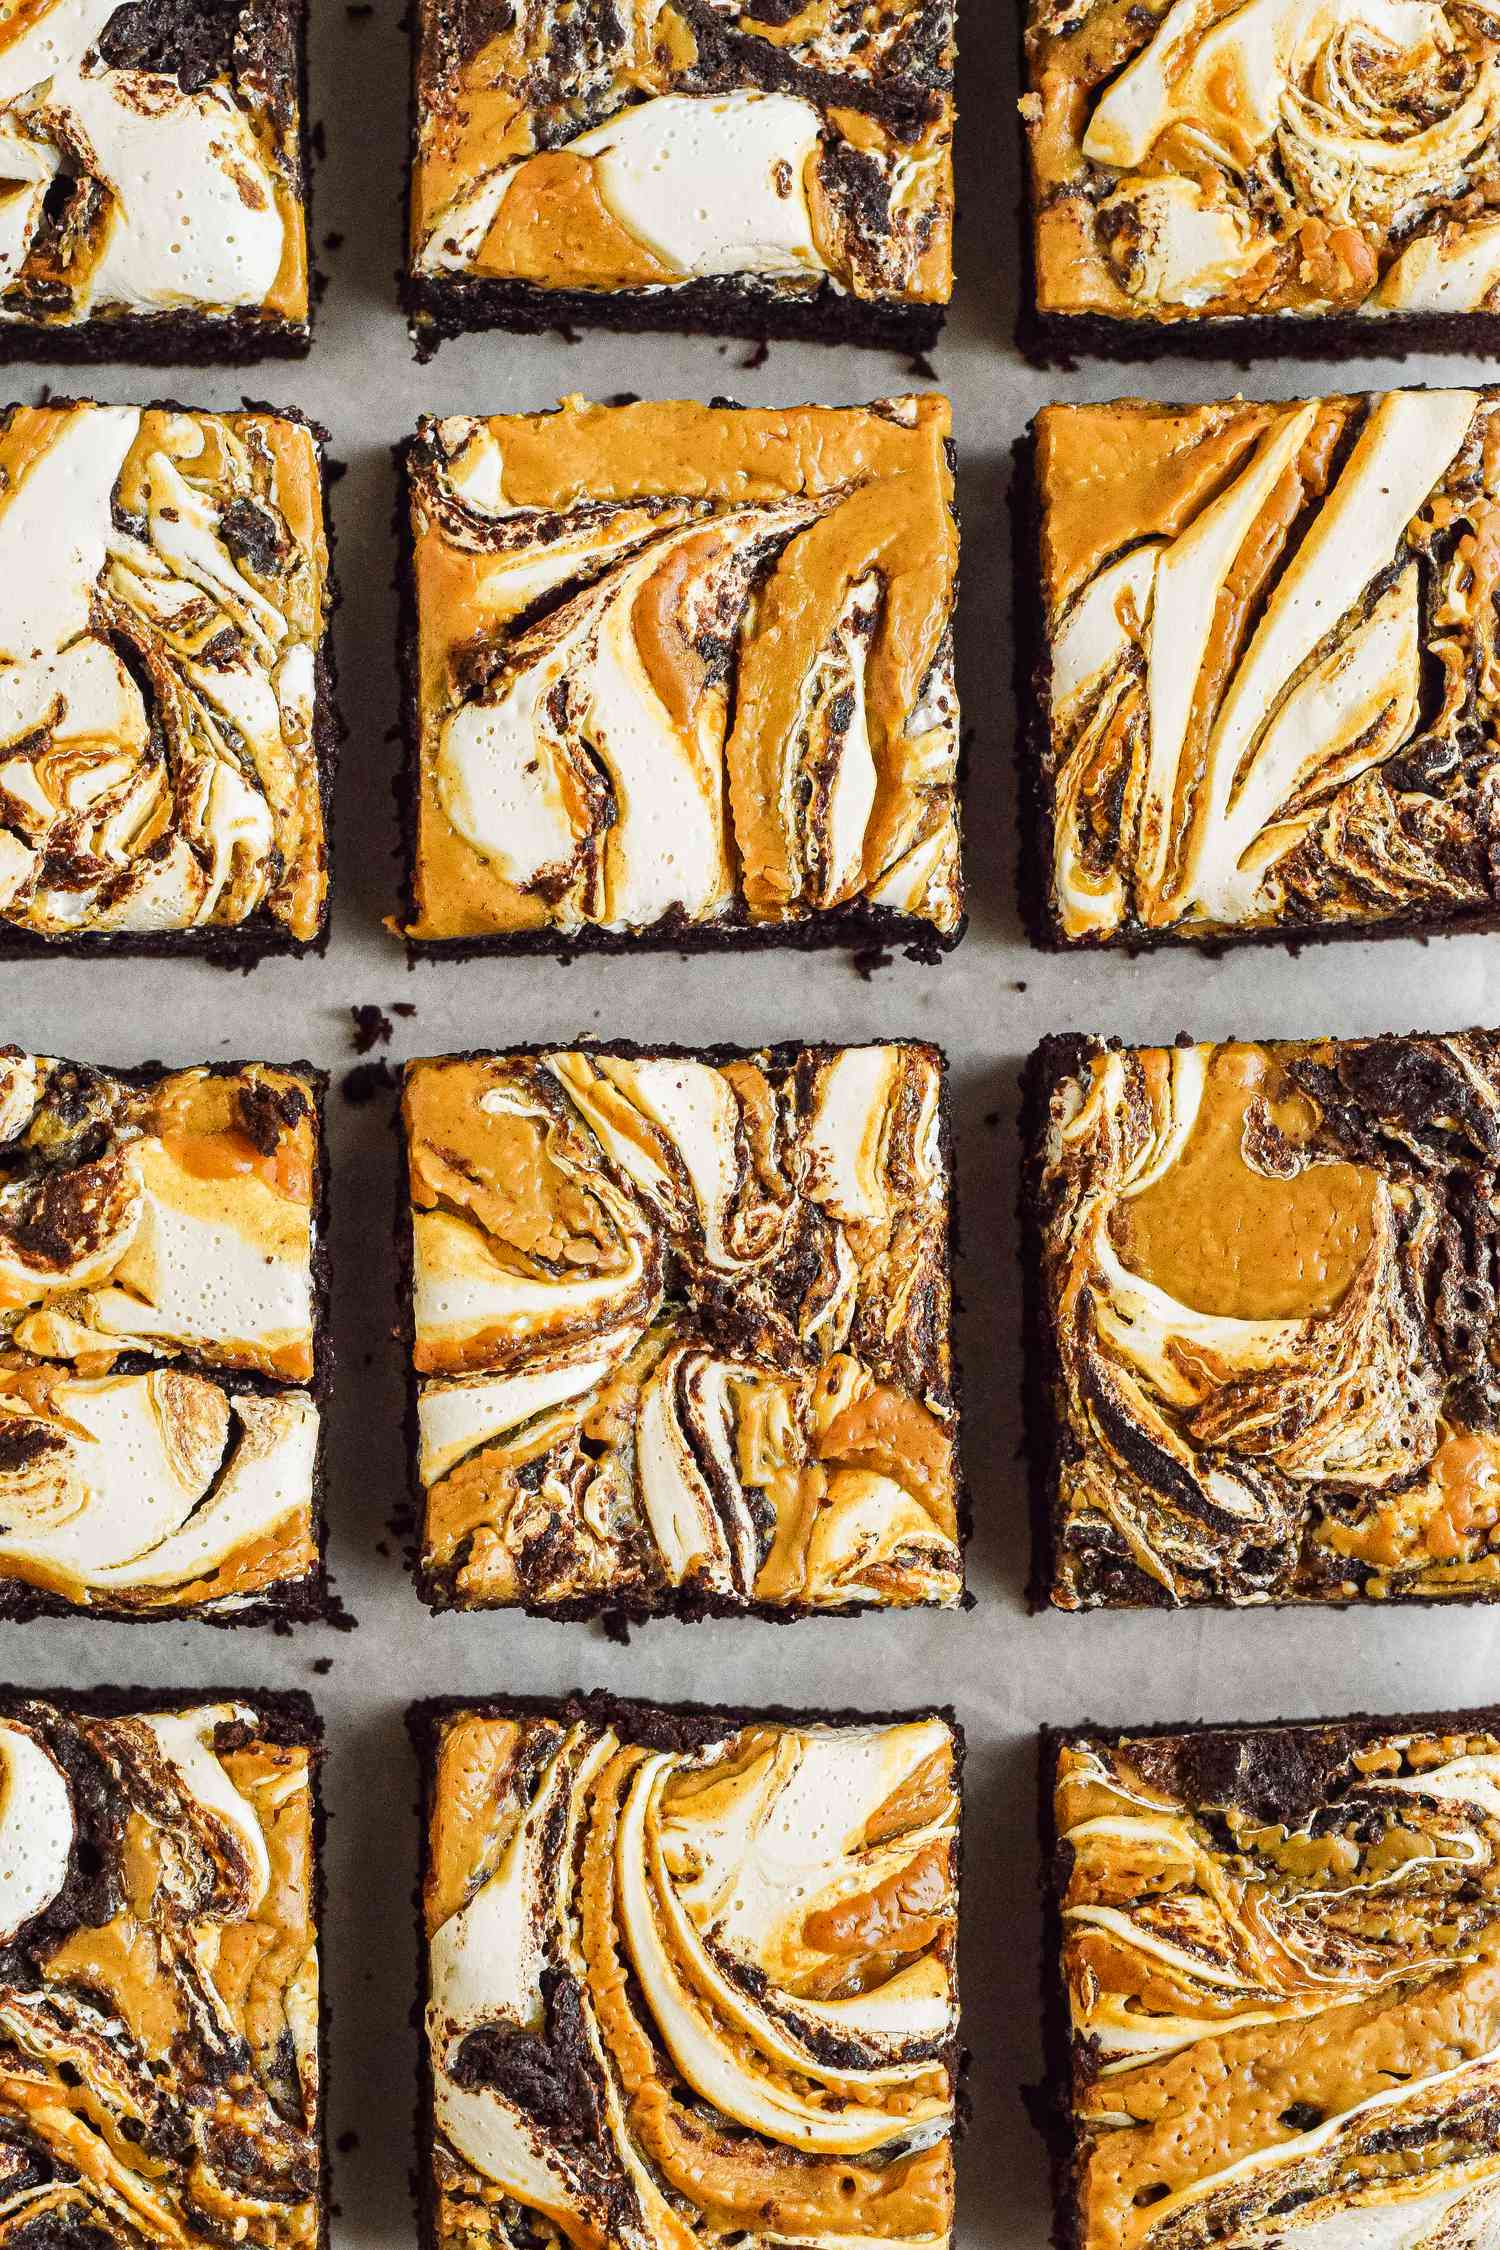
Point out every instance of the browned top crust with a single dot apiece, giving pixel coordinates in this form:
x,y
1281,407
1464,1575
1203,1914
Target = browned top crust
x,y
1268,1275
1271,643
683,664
1202,159
1281,1953
612,145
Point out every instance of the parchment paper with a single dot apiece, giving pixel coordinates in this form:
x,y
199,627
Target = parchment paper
x,y
987,1003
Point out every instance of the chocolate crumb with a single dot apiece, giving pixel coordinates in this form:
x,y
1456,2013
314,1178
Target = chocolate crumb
x,y
920,365
866,959
757,355
372,1027
348,2141
322,1665
403,1007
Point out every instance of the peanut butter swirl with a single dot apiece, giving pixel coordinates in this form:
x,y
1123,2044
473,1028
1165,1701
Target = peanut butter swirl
x,y
1269,1278
150,164
163,602
681,1329
690,1980
685,666
1194,160
1272,654
654,143
158,1439
1281,1953
159,2072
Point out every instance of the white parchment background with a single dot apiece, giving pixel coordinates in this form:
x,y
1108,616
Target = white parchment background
x,y
987,1003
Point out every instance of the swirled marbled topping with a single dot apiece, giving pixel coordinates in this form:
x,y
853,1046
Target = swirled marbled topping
x,y
163,604
1273,679
689,1980
681,1329
168,1219
1269,156
664,141
149,163
159,1980
684,665
1281,1952
1269,1282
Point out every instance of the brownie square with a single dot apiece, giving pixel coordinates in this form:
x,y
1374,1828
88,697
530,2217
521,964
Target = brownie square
x,y
683,674
688,1973
166,689
1271,1986
162,1349
1262,700
680,1330
1261,1323
156,205
713,165
159,1979
1261,177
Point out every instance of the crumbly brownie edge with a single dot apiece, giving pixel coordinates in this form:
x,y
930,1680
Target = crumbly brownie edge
x,y
309,1600
1058,340
1038,795
686,1722
438,311
853,928
679,1605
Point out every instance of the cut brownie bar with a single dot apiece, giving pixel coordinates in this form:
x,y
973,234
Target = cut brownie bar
x,y
1263,1320
155,205
1262,176
1272,1984
689,1974
161,1360
1264,696
739,165
167,728
684,673
680,1330
161,2069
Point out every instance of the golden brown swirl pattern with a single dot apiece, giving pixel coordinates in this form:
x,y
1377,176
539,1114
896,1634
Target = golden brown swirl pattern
x,y
681,1329
1194,160
159,2073
1268,1279
1272,664
1281,1956
658,143
685,668
690,1978
158,1435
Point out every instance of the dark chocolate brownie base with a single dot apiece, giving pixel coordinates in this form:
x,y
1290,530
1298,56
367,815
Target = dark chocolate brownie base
x,y
682,1605
168,339
1038,797
668,1726
260,937
1060,339
718,306
1127,1588
1275,1767
309,1600
856,928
